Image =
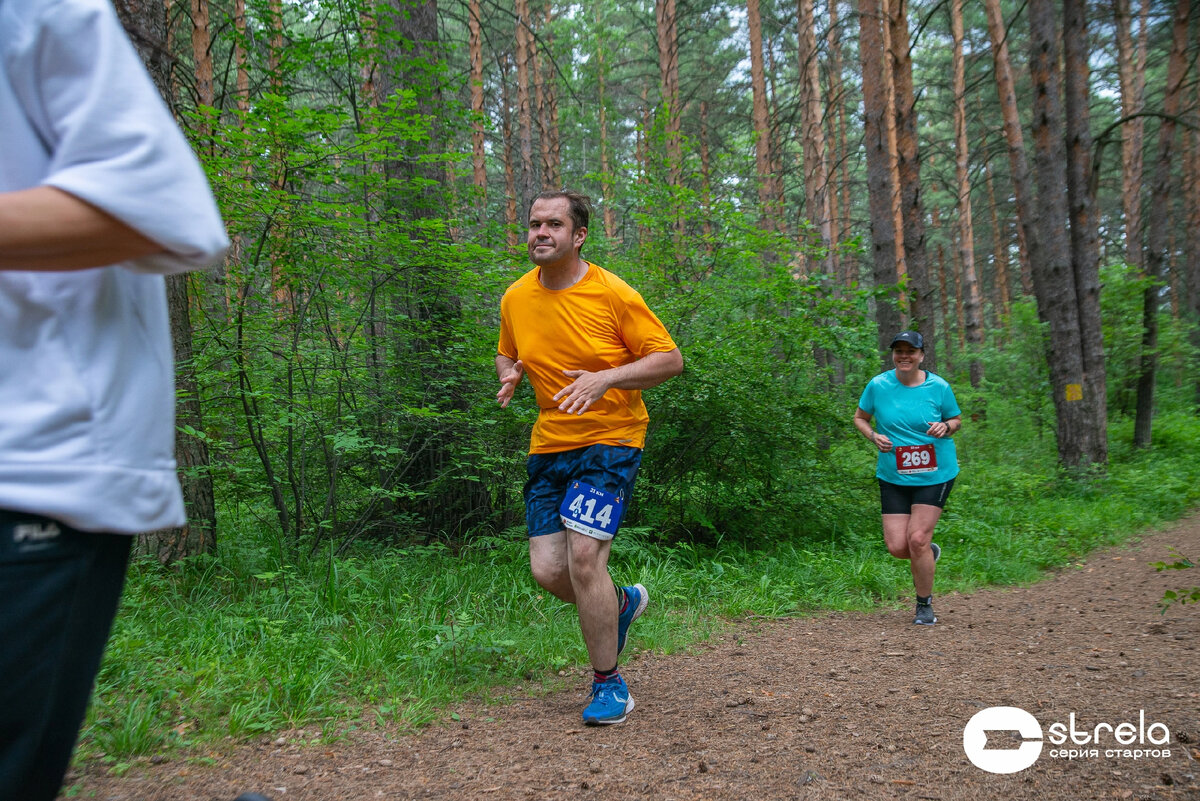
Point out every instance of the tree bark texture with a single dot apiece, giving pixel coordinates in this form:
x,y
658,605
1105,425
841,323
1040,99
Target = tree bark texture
x,y
555,144
1131,69
478,154
524,41
972,306
1003,299
880,188
706,226
763,158
1085,243
1192,245
146,23
1053,275
511,221
668,84
839,207
606,175
1157,219
908,169
1027,232
889,120
202,64
812,123
239,56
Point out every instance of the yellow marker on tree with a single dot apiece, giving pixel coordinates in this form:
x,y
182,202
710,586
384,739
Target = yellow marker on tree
x,y
1074,392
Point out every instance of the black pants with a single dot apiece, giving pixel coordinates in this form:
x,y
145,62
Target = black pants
x,y
59,590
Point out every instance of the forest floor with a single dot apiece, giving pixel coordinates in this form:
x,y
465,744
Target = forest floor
x,y
835,706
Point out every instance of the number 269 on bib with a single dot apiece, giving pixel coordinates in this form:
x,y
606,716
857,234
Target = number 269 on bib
x,y
591,511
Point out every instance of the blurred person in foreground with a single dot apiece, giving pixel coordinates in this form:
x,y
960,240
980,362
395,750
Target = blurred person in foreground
x,y
100,196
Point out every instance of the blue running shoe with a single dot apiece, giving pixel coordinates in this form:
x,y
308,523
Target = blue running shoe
x,y
637,598
937,551
611,702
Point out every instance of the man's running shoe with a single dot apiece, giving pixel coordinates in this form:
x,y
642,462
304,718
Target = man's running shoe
x,y
925,616
937,551
636,599
611,702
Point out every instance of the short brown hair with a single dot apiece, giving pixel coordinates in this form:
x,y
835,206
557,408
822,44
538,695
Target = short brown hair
x,y
580,206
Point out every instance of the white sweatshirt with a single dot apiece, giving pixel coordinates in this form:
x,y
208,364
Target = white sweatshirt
x,y
86,368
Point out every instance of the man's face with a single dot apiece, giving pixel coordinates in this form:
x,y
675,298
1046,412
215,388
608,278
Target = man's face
x,y
553,238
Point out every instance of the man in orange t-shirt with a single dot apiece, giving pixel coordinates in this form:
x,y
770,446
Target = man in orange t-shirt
x,y
590,345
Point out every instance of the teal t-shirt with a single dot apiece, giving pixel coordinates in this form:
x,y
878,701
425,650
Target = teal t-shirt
x,y
903,415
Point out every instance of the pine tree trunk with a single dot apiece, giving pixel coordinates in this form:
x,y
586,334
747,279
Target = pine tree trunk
x,y
147,27
960,304
1157,223
199,534
524,111
478,154
239,56
947,337
1131,69
606,175
880,188
762,125
1085,247
1192,242
668,71
908,166
555,145
706,226
972,307
1003,299
1027,234
202,64
511,221
889,118
812,123
543,120
1053,276
839,207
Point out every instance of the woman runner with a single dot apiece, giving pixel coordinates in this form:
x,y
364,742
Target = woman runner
x,y
915,415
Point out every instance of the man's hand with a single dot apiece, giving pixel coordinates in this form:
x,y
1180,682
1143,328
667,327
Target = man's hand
x,y
509,376
586,389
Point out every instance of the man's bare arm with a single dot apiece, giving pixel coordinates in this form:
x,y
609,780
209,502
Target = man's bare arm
x,y
45,228
509,371
587,388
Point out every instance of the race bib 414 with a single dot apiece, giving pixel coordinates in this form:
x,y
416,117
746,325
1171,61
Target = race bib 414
x,y
591,511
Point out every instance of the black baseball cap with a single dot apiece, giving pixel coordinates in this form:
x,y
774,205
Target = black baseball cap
x,y
913,338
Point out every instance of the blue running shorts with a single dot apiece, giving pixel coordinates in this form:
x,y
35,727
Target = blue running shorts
x,y
612,468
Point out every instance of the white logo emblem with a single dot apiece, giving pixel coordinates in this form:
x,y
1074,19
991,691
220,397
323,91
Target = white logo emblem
x,y
997,721
35,532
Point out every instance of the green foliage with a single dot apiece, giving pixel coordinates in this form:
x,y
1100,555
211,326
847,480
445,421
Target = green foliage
x,y
257,639
1122,300
371,567
738,446
1182,595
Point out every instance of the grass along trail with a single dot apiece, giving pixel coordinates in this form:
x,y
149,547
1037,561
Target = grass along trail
x,y
842,705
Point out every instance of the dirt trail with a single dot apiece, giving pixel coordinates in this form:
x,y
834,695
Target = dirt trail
x,y
863,706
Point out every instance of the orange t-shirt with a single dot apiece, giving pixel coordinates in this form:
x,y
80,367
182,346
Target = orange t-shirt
x,y
597,323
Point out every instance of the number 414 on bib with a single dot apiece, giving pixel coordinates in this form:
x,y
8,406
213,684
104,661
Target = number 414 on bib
x,y
591,511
